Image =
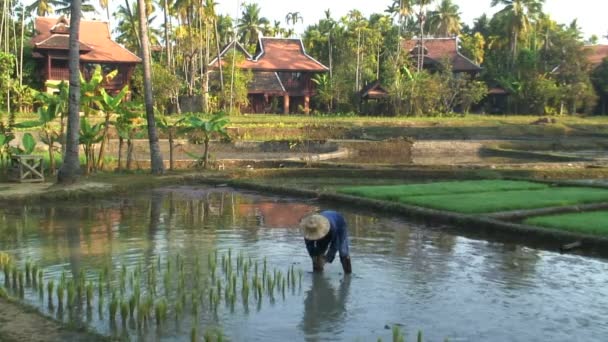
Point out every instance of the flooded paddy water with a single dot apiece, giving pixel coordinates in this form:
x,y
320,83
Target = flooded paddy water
x,y
178,243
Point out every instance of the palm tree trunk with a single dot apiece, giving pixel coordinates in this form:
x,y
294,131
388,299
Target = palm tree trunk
x,y
71,164
156,159
171,146
120,143
219,59
167,28
129,152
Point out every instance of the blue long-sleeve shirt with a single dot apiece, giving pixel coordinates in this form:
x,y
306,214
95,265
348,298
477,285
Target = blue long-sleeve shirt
x,y
337,238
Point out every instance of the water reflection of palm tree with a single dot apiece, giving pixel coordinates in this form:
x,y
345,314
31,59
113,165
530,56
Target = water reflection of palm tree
x,y
324,309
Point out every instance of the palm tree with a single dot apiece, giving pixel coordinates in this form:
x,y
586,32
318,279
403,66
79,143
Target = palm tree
x,y
42,7
445,20
421,20
104,5
70,169
64,7
251,25
156,159
293,18
519,14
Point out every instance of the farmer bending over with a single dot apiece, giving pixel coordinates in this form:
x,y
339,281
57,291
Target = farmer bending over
x,y
326,232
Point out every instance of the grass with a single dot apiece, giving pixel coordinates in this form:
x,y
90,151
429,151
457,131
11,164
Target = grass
x,y
397,192
488,202
594,223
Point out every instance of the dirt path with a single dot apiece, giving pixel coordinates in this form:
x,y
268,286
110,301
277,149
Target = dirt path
x,y
20,324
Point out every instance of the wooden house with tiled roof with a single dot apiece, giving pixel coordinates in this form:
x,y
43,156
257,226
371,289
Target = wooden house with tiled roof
x,y
438,50
596,54
281,69
51,49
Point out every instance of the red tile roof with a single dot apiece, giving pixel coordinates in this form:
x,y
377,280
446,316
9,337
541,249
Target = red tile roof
x,y
59,42
439,48
597,53
279,54
94,34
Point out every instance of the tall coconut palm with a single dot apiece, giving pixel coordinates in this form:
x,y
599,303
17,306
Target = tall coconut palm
x,y
403,9
251,25
64,7
444,21
293,18
519,14
156,159
104,4
421,15
42,7
70,169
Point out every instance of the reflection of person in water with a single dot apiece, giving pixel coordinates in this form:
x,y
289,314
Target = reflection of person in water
x,y
324,309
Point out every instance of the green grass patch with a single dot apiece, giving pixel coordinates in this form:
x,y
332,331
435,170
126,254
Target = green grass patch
x,y
594,223
488,202
396,192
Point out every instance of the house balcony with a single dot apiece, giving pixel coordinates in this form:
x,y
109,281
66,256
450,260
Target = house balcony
x,y
59,74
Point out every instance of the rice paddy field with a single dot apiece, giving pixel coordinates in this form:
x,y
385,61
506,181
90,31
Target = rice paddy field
x,y
594,223
478,197
194,263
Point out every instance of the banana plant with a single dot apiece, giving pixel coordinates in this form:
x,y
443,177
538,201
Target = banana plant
x,y
216,125
90,91
128,121
5,139
171,129
89,136
111,105
46,116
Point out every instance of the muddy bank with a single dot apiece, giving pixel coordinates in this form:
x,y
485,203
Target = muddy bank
x,y
19,323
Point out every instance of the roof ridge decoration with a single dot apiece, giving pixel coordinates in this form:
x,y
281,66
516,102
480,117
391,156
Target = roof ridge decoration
x,y
62,26
227,47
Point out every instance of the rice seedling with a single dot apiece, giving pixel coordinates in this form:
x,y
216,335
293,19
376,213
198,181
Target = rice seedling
x,y
21,279
40,276
178,310
50,287
14,274
419,336
71,293
60,293
7,274
300,274
28,267
193,335
100,307
207,337
132,305
167,284
136,293
293,277
397,335
113,307
124,311
164,309
34,272
89,294
218,286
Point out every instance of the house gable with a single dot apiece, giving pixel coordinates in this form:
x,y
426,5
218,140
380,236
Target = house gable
x,y
94,36
438,49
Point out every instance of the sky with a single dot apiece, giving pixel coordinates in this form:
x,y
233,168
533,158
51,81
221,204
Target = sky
x,y
591,14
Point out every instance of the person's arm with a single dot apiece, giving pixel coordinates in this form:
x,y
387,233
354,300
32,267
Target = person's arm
x,y
331,252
